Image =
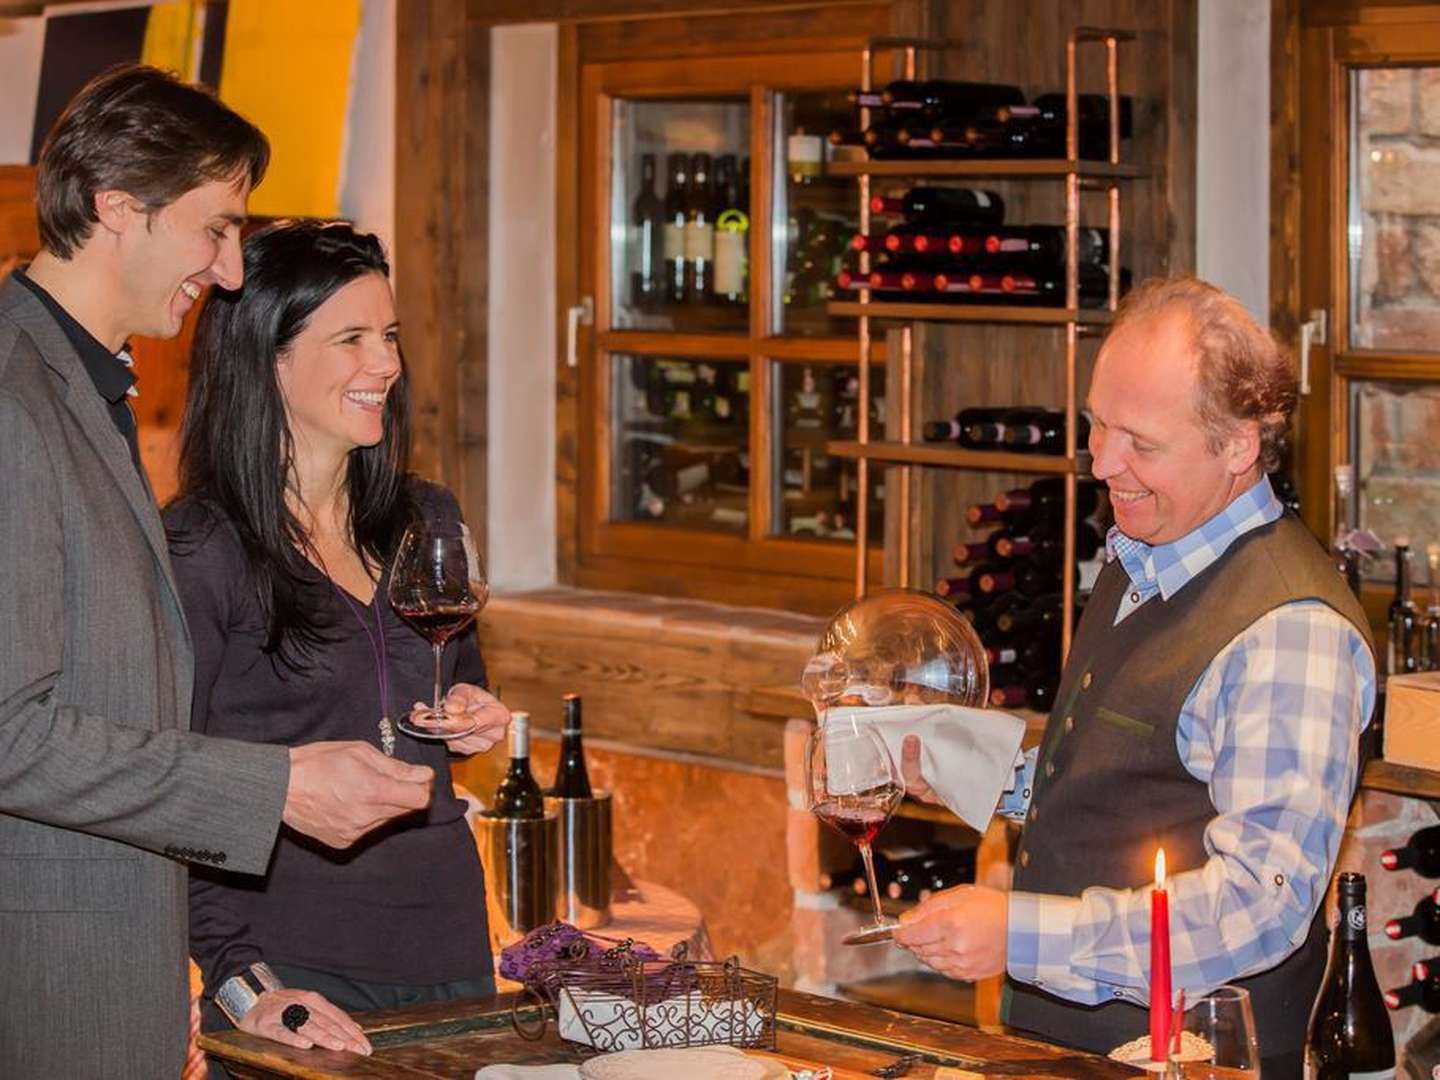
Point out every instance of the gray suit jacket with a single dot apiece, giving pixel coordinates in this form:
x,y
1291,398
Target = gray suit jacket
x,y
104,793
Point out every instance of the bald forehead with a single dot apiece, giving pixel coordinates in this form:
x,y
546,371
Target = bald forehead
x,y
1157,346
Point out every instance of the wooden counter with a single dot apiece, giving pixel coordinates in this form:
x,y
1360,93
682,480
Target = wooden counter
x,y
450,1040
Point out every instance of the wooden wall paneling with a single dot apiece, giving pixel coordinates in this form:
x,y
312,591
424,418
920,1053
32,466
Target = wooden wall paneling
x,y
433,204
625,11
472,218
19,235
567,292
842,25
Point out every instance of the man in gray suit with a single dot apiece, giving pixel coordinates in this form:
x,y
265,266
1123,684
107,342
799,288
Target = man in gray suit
x,y
104,793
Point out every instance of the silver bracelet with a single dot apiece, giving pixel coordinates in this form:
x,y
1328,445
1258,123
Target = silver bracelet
x,y
239,993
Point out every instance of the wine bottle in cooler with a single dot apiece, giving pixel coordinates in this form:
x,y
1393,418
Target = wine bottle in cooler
x,y
673,232
1349,1033
1402,617
572,781
518,795
700,231
1422,923
647,259
1420,853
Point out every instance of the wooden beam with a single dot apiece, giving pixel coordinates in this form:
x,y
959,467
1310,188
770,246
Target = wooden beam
x,y
440,277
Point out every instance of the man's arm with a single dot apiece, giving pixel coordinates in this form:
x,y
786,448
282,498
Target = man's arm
x,y
62,766
1273,728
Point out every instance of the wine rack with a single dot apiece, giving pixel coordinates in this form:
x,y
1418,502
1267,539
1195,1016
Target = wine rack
x,y
1077,174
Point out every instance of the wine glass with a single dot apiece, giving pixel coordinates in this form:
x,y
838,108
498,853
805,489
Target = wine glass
x,y
853,786
1226,1048
437,584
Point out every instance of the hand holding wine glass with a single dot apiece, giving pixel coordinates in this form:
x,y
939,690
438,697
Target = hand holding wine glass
x,y
854,786
437,584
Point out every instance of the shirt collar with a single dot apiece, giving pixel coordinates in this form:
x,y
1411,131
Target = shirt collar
x,y
109,372
1167,568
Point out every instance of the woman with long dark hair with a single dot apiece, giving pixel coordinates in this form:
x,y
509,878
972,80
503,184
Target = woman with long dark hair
x,y
293,498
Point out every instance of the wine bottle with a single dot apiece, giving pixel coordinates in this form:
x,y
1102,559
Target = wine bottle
x,y
518,795
1048,495
1043,615
732,224
949,96
1401,619
959,206
957,429
571,779
1045,544
1039,243
700,231
647,249
982,515
1349,1033
1045,288
673,233
1420,853
1027,654
1422,923
915,879
1027,692
1023,575
1423,992
1092,110
1044,434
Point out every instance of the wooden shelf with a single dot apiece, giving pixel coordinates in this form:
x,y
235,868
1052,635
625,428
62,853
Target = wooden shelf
x,y
1056,167
976,313
950,457
1401,780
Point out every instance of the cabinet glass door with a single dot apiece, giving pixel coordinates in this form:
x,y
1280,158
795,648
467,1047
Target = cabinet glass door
x,y
680,215
815,493
815,213
681,453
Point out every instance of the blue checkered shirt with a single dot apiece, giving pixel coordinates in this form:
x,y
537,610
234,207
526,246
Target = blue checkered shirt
x,y
1272,729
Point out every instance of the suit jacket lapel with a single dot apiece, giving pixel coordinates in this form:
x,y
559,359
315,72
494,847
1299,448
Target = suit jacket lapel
x,y
91,417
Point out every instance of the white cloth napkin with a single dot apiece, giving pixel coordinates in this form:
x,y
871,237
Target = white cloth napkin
x,y
967,755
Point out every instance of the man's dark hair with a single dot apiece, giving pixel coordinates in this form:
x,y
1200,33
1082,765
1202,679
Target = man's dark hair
x,y
139,130
236,449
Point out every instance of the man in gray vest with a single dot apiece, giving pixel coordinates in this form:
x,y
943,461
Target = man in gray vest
x,y
1211,704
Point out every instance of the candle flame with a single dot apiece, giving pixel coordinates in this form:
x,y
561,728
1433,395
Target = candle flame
x,y
1160,868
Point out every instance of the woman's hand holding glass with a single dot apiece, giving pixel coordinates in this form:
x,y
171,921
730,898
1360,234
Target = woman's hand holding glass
x,y
469,708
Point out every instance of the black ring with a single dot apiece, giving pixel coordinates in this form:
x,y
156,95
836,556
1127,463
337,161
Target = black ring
x,y
294,1016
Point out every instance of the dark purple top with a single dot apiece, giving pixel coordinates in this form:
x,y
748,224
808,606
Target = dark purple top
x,y
407,904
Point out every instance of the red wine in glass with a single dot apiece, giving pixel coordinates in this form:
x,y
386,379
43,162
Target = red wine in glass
x,y
854,787
437,584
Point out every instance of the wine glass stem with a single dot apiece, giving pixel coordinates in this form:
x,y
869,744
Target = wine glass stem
x,y
870,880
439,704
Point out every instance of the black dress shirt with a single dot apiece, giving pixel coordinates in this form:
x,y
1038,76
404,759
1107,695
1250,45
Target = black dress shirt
x,y
111,375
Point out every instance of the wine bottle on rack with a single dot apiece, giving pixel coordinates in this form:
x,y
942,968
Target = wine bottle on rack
x,y
518,795
1044,434
1045,544
957,206
1027,576
1420,853
572,781
958,429
945,96
1043,615
968,553
1422,923
700,231
648,252
982,515
1045,288
1021,691
1401,619
1028,654
917,879
1092,110
673,233
990,611
1422,992
1048,494
1349,1033
1040,243
1026,138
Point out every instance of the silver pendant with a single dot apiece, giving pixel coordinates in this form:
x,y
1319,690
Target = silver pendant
x,y
387,736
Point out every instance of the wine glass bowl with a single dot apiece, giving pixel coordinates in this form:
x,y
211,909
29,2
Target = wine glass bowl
x,y
854,786
438,586
1217,1038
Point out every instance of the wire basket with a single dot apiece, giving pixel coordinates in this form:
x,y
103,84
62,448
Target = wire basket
x,y
616,1000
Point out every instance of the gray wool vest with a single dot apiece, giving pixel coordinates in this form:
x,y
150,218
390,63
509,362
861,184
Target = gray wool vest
x,y
1110,787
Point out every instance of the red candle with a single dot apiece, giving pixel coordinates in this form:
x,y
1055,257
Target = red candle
x,y
1159,962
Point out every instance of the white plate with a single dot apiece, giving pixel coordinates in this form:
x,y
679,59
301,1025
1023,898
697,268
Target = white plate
x,y
692,1063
